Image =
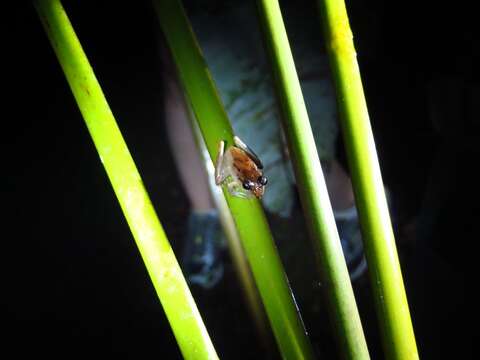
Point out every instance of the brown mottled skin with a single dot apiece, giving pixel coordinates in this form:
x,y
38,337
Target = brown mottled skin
x,y
247,170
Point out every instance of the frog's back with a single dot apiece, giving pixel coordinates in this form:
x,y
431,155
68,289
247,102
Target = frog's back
x,y
244,166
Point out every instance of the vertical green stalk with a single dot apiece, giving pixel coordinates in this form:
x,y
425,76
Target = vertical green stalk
x,y
312,187
162,266
384,269
237,253
248,214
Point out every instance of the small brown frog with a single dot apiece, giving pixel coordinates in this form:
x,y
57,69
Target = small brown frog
x,y
240,169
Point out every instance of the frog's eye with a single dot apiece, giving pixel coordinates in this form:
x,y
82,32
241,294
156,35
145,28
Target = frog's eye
x,y
248,185
262,180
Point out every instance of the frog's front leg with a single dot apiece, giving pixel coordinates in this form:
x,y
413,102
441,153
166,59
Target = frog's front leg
x,y
234,190
219,176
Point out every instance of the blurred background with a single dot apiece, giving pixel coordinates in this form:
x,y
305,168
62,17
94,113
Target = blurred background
x,y
72,281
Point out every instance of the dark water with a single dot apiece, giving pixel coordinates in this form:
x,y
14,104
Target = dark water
x,y
73,284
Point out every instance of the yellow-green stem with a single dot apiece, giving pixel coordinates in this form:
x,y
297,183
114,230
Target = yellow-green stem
x,y
248,214
312,188
162,266
384,269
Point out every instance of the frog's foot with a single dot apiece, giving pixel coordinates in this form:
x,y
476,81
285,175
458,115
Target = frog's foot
x,y
219,177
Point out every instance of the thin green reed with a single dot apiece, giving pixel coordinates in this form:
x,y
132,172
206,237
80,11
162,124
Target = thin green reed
x,y
312,187
384,269
248,214
162,266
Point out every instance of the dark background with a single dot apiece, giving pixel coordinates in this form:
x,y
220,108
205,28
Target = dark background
x,y
72,281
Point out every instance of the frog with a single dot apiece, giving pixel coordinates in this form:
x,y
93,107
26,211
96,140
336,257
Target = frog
x,y
240,170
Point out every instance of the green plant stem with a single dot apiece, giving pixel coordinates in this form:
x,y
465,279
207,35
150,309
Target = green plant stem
x,y
237,253
248,214
312,187
384,269
162,266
